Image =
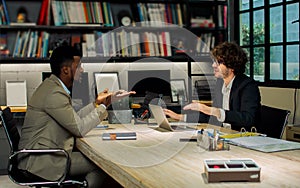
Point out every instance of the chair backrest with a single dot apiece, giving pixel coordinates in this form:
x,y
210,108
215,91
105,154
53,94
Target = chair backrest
x,y
10,128
23,177
273,121
13,137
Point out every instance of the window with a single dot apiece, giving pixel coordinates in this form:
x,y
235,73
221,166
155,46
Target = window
x,y
269,32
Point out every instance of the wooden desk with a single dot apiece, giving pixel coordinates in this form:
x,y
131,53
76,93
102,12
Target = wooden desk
x,y
158,159
15,109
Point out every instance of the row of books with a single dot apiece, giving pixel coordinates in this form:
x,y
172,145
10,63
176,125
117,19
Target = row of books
x,y
205,43
82,12
155,13
120,43
202,21
31,44
126,44
4,18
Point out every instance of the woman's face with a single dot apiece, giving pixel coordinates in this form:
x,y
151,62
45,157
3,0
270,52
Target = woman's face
x,y
217,70
220,70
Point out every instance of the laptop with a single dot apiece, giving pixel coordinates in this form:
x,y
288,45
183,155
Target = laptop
x,y
165,125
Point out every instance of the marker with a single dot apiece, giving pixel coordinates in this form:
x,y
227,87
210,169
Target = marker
x,y
144,114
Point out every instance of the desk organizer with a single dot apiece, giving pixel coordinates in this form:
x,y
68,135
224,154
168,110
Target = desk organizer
x,y
231,170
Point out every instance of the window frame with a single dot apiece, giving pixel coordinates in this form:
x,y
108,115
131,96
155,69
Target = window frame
x,y
281,82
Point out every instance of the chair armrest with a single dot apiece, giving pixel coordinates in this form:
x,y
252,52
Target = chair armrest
x,y
46,151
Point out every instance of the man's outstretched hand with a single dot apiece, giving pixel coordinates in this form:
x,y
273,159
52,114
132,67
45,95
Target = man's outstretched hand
x,y
117,95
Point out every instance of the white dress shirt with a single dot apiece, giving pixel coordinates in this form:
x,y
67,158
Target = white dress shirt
x,y
226,95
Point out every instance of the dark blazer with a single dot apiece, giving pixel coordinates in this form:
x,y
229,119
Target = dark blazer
x,y
244,104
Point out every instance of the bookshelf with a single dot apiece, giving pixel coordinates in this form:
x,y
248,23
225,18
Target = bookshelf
x,y
82,22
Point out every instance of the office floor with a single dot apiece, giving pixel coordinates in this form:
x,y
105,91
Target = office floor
x,y
5,182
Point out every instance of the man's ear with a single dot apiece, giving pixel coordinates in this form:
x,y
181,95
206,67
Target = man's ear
x,y
65,70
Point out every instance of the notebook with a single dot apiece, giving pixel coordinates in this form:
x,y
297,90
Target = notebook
x,y
165,125
264,144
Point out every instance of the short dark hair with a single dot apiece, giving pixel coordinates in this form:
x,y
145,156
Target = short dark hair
x,y
62,56
232,56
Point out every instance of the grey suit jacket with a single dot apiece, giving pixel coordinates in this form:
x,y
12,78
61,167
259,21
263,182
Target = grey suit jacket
x,y
51,122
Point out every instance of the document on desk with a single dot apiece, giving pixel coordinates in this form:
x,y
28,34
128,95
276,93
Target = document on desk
x,y
264,144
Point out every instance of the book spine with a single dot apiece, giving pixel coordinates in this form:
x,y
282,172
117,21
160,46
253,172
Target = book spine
x,y
65,12
86,16
146,44
40,42
30,45
96,12
93,14
110,17
25,46
174,14
100,12
5,12
35,41
161,45
44,52
180,23
105,13
56,13
169,10
16,44
113,43
42,12
140,12
225,17
89,13
168,44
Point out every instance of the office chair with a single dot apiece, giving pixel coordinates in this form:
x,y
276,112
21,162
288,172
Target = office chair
x,y
273,121
23,177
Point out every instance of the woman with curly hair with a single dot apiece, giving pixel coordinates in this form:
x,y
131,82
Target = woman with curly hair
x,y
236,100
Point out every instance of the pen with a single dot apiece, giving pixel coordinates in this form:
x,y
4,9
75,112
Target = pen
x,y
187,139
144,114
102,126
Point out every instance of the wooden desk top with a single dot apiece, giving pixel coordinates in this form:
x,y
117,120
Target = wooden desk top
x,y
158,159
16,108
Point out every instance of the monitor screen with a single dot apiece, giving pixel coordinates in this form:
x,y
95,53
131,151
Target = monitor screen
x,y
156,81
106,80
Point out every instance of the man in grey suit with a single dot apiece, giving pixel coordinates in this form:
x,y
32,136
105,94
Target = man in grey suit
x,y
52,122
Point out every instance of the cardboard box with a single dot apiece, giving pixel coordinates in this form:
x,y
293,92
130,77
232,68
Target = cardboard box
x,y
293,132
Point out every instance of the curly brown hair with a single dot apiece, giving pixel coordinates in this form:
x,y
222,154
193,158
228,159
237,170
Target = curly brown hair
x,y
231,55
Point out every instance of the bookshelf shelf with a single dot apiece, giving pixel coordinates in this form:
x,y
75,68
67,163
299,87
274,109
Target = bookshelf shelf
x,y
204,19
183,9
144,59
5,28
14,60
